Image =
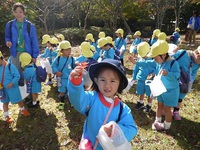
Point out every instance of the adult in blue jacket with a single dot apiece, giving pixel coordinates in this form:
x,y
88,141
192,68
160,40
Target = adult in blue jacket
x,y
21,36
194,26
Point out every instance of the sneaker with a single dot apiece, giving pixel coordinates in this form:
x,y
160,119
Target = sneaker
x,y
61,106
30,105
176,115
139,105
25,112
48,83
8,119
147,109
158,126
27,100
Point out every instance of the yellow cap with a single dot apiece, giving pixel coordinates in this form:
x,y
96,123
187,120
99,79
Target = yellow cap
x,y
89,36
45,38
155,33
109,40
102,42
1,55
86,49
120,31
102,35
61,37
93,48
143,49
162,36
54,40
158,48
177,30
25,59
198,49
137,33
64,45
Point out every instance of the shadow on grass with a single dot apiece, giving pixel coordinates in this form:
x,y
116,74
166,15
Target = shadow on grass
x,y
36,131
186,133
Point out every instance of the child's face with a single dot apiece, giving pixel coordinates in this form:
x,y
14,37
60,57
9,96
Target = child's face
x,y
108,83
158,59
66,52
196,57
48,44
19,14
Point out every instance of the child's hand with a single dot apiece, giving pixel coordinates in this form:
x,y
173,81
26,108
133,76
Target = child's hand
x,y
9,44
108,130
164,72
77,72
58,74
9,85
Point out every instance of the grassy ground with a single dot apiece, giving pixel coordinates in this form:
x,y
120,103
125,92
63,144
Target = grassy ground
x,y
49,128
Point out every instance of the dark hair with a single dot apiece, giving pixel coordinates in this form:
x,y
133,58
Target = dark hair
x,y
102,68
16,5
195,13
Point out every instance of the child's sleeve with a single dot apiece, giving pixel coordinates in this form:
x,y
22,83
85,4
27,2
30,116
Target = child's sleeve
x,y
44,54
79,98
15,74
127,123
55,65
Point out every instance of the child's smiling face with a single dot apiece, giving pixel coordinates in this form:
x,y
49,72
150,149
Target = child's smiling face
x,y
108,82
66,52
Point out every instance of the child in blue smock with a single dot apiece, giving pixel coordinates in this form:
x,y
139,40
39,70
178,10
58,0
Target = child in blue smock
x,y
108,78
136,41
50,52
89,38
9,77
143,68
33,86
184,61
154,37
175,37
86,57
169,70
120,43
62,66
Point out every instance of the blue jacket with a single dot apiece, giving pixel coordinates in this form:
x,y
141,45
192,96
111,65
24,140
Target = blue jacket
x,y
51,54
30,40
196,24
98,108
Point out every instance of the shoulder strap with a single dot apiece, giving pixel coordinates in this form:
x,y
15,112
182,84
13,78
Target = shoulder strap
x,y
28,27
64,65
180,55
172,63
72,64
120,111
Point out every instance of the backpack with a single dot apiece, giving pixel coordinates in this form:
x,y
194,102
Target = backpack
x,y
21,79
117,53
184,76
28,27
41,73
173,38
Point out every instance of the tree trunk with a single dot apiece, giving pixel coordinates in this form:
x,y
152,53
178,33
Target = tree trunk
x,y
177,13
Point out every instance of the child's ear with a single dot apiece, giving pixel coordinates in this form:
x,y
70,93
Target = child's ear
x,y
95,80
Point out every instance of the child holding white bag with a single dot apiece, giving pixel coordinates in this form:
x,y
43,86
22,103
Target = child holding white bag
x,y
108,78
144,66
170,73
49,54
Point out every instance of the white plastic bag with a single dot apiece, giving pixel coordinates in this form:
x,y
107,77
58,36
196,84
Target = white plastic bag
x,y
130,84
45,64
156,86
23,92
87,81
117,140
